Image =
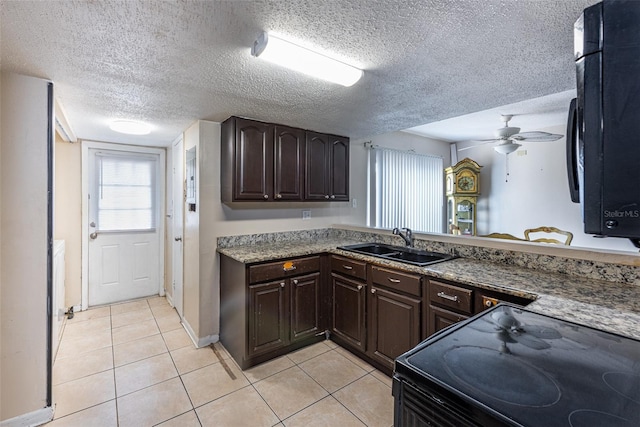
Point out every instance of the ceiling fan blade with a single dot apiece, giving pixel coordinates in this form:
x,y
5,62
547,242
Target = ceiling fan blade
x,y
536,136
480,142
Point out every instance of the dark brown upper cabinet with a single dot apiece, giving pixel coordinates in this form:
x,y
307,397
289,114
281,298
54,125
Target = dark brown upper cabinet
x,y
246,160
327,167
270,162
289,159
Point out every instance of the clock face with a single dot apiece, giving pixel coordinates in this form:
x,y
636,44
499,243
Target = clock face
x,y
466,183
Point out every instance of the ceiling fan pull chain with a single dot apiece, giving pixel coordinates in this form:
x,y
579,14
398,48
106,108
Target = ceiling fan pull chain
x,y
506,168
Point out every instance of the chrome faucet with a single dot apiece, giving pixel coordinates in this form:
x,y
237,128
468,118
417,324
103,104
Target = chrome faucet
x,y
407,236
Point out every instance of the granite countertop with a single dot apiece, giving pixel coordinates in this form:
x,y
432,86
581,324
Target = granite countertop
x,y
609,306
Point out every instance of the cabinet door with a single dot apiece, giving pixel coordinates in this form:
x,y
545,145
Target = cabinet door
x,y
394,325
440,318
348,310
289,158
305,306
268,317
317,167
339,176
253,160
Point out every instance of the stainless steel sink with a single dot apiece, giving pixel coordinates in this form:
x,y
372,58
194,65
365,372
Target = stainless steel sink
x,y
398,253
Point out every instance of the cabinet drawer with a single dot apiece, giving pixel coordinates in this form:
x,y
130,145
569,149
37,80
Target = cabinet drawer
x,y
396,280
450,296
284,268
349,267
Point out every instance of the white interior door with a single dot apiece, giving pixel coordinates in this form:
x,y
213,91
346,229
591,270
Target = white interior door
x,y
178,223
124,200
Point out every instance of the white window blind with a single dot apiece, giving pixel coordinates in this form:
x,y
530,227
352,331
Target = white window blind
x,y
126,192
409,190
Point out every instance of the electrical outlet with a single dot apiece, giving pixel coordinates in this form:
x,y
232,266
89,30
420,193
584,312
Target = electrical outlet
x,y
306,214
354,203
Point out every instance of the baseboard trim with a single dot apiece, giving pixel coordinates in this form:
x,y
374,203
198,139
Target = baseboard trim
x,y
199,342
32,419
170,300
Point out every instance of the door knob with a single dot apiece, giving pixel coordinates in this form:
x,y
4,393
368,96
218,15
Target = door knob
x,y
93,235
178,239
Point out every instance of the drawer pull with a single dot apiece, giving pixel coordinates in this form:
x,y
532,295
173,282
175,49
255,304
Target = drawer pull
x,y
282,284
347,267
392,280
373,291
359,287
288,266
453,298
295,281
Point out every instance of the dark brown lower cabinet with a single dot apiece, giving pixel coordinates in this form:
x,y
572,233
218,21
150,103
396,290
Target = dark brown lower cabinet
x,y
395,310
439,318
283,312
305,306
394,325
348,321
268,321
267,310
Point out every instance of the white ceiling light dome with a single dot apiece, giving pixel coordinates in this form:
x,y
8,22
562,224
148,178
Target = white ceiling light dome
x,y
130,127
507,147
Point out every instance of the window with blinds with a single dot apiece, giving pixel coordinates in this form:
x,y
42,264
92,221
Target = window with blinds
x,y
126,192
409,190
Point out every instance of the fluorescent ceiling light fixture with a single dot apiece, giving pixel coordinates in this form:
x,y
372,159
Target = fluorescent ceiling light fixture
x,y
286,54
130,127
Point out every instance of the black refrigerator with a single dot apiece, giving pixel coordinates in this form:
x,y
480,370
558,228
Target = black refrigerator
x,y
603,130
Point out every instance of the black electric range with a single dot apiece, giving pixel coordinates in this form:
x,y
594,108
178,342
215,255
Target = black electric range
x,y
512,367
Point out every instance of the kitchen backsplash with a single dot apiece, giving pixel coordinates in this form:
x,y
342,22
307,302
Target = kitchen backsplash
x,y
574,267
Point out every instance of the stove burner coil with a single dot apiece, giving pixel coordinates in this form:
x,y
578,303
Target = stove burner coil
x,y
501,376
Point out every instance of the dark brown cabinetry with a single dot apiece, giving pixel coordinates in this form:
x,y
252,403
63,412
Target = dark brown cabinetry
x,y
327,167
394,314
348,308
449,303
270,162
269,309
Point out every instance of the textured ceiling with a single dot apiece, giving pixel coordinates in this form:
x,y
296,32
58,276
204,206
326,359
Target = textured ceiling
x,y
170,63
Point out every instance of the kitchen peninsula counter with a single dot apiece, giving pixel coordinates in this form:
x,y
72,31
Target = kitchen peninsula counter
x,y
610,306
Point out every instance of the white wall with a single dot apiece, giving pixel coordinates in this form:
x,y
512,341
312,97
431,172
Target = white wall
x,y
23,266
68,215
535,194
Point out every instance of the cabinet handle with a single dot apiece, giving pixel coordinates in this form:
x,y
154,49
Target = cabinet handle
x,y
347,267
326,197
359,287
373,290
266,196
295,281
278,196
392,280
282,284
453,298
333,197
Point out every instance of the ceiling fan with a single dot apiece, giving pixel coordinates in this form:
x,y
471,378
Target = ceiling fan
x,y
508,137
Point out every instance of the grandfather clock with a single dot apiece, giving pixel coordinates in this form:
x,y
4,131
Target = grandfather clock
x,y
462,190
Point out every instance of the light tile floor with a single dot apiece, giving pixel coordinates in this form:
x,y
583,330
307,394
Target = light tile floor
x,y
132,364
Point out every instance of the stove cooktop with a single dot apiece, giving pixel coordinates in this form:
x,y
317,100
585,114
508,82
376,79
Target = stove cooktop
x,y
534,370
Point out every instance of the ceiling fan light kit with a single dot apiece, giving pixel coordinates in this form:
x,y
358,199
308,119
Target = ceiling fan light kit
x,y
507,147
